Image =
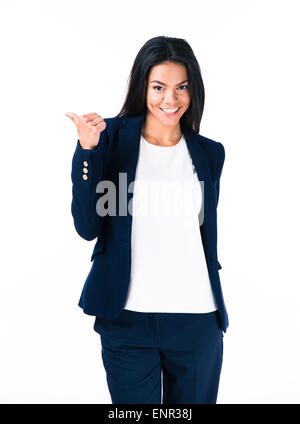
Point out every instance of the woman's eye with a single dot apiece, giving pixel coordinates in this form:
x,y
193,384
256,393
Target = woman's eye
x,y
158,86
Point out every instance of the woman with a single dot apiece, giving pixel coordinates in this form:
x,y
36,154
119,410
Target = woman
x,y
154,284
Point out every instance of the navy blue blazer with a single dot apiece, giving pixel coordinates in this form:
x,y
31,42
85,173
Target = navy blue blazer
x,y
105,289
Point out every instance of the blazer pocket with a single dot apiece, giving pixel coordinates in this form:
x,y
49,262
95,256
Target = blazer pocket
x,y
99,246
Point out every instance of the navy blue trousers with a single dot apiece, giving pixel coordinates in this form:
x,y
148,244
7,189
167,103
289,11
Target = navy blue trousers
x,y
142,349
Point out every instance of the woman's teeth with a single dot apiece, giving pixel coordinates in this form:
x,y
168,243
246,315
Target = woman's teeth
x,y
170,110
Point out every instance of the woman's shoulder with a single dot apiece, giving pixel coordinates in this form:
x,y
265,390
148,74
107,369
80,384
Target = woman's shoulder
x,y
212,146
215,152
113,123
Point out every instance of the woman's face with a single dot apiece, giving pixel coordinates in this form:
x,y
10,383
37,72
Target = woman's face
x,y
168,88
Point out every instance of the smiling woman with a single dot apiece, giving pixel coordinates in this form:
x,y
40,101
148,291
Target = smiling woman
x,y
154,286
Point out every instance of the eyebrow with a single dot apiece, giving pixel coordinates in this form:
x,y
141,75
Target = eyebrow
x,y
159,82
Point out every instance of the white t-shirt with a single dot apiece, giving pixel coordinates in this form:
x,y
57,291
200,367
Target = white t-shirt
x,y
168,266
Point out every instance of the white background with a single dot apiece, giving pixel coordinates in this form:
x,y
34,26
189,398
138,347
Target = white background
x,y
62,56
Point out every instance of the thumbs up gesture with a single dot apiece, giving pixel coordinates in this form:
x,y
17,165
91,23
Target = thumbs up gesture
x,y
89,127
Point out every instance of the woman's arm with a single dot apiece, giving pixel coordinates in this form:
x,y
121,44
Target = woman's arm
x,y
219,170
87,172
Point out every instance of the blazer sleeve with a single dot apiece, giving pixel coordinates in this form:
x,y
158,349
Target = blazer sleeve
x,y
86,173
219,170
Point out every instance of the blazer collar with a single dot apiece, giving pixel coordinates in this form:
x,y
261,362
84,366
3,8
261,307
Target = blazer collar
x,y
130,135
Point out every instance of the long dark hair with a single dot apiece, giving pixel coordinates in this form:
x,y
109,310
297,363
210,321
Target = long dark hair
x,y
154,52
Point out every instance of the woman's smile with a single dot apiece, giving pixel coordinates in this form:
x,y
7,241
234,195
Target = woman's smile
x,y
170,111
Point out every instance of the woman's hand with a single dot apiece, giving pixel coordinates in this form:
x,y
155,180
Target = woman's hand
x,y
89,127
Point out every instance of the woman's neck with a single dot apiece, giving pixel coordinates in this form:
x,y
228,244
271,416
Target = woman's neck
x,y
157,133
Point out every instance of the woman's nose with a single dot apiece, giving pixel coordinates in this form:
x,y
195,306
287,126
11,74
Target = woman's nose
x,y
170,98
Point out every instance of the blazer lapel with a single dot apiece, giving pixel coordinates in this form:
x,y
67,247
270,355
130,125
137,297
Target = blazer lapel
x,y
126,158
208,228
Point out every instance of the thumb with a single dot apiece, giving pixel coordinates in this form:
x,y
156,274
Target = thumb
x,y
73,116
